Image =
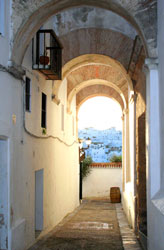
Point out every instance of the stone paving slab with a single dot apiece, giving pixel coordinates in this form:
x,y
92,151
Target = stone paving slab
x,y
129,239
93,227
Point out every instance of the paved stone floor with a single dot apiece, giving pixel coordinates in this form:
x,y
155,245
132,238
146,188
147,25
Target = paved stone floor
x,y
93,226
129,239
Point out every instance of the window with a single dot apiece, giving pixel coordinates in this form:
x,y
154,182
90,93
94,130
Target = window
x,y
62,117
43,114
2,17
28,94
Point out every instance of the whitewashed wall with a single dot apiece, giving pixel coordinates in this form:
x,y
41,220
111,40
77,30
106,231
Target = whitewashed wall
x,y
60,174
27,154
155,170
129,195
100,180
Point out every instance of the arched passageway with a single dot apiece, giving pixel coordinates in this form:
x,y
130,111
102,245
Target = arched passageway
x,y
99,118
106,76
98,58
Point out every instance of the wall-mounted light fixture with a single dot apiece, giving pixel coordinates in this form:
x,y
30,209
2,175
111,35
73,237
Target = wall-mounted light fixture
x,y
82,148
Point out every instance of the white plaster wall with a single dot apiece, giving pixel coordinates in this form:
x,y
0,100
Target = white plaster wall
x,y
59,162
129,204
4,192
10,106
161,77
61,187
60,195
86,17
28,154
132,144
155,204
128,195
100,180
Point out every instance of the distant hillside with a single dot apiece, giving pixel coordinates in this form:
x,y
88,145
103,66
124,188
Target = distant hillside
x,y
104,144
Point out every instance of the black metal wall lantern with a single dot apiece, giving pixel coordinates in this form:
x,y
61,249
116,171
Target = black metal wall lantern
x,y
47,54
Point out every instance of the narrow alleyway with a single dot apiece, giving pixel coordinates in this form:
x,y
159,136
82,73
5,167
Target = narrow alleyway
x,y
93,225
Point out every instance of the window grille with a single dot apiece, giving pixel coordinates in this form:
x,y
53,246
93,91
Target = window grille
x,y
47,54
43,112
28,94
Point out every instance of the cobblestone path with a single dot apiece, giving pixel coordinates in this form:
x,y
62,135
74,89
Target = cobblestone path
x,y
93,226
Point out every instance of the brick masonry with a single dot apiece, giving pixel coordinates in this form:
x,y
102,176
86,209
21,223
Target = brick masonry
x,y
91,72
106,165
96,90
97,41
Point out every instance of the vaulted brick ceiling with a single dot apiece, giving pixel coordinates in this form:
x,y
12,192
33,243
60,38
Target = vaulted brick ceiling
x,y
29,16
89,30
97,41
97,90
103,72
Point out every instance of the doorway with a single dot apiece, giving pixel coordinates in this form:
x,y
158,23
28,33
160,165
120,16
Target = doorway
x,y
4,193
38,201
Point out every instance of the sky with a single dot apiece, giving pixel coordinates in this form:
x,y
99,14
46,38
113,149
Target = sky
x,y
100,113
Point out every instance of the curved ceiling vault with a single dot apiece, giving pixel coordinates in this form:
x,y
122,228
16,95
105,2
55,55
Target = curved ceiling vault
x,y
98,45
97,71
90,30
142,16
97,90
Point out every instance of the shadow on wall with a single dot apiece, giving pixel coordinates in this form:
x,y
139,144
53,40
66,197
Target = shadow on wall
x,y
141,177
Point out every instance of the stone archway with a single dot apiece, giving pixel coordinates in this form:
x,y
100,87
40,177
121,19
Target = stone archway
x,y
94,69
97,90
27,25
26,19
97,83
72,71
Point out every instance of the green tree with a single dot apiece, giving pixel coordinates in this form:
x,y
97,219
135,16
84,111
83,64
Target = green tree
x,y
86,169
116,158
